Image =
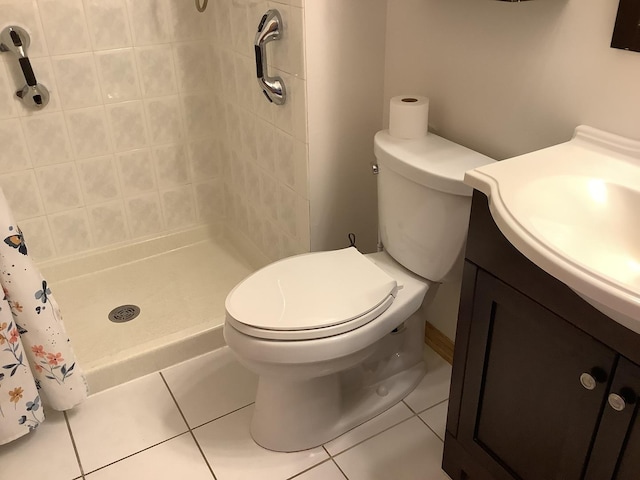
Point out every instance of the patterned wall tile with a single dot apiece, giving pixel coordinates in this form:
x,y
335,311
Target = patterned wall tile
x,y
144,214
77,80
187,23
232,115
223,28
157,73
149,21
47,139
299,109
59,187
209,198
290,246
257,221
205,159
127,125
136,172
252,183
89,132
237,170
198,115
23,194
269,195
227,66
25,13
218,76
303,226
37,236
8,106
287,213
202,145
118,75
265,145
301,160
65,26
98,179
245,79
241,35
192,66
285,161
70,231
108,23
271,238
172,167
178,206
163,115
13,150
107,222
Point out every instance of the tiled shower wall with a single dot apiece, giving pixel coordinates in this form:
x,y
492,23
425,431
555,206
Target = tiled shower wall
x,y
154,125
266,167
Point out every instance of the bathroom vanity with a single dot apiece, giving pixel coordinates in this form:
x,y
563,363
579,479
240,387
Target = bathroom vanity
x,y
544,385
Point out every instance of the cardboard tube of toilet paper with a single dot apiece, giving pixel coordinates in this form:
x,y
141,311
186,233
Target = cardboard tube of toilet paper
x,y
408,116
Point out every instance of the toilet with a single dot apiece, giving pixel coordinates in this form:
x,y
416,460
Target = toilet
x,y
337,337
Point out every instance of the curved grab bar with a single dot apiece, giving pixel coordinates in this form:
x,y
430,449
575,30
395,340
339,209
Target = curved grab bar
x,y
269,29
16,40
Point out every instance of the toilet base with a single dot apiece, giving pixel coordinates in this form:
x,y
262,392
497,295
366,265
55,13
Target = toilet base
x,y
297,415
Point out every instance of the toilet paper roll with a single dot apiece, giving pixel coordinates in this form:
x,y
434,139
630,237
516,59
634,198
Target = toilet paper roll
x,y
408,116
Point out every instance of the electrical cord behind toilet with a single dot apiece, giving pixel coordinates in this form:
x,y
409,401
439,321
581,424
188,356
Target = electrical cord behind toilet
x,y
352,239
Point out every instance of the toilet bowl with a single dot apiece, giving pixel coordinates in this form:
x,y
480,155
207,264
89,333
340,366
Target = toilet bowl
x,y
337,337
363,363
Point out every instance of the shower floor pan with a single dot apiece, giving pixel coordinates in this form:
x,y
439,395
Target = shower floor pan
x,y
179,282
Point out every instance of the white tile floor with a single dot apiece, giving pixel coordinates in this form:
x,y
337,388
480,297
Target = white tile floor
x,y
191,421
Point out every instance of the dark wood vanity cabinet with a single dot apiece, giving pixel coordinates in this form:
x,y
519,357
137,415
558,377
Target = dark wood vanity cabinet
x,y
534,369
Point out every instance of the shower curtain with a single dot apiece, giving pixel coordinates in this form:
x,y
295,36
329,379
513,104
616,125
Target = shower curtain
x,y
37,364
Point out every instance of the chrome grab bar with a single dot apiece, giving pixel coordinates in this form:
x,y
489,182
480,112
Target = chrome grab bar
x,y
269,29
16,40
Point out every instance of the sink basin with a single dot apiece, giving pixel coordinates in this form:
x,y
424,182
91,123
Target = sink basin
x,y
574,209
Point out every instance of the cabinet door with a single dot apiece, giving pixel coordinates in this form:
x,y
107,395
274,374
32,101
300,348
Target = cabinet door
x,y
616,452
525,413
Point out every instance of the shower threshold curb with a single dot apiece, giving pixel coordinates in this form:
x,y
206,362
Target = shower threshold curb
x,y
177,348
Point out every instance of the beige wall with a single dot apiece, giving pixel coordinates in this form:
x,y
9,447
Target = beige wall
x,y
508,78
345,67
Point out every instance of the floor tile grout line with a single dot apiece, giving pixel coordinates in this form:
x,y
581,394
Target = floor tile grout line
x,y
419,412
368,438
136,453
407,405
292,477
222,416
73,442
429,427
338,467
432,406
204,457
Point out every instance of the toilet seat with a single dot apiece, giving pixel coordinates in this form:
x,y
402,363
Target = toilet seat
x,y
311,296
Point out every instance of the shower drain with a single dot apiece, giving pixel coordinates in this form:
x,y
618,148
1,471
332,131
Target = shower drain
x,y
124,313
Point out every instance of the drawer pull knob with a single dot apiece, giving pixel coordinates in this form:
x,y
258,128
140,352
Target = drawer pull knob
x,y
617,402
588,381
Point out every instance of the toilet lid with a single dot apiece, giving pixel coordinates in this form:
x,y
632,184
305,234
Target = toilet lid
x,y
311,291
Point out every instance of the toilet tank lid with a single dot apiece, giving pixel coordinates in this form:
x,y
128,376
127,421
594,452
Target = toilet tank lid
x,y
310,291
432,161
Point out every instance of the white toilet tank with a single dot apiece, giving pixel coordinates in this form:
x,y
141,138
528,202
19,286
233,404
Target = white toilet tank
x,y
423,204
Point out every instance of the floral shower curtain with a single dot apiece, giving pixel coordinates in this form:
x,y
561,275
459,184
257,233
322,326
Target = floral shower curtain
x,y
37,364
